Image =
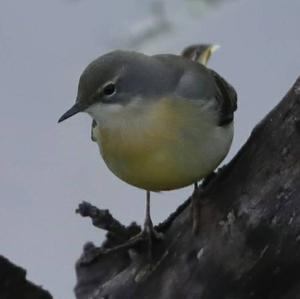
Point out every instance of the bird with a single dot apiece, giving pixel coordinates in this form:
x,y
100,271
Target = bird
x,y
162,122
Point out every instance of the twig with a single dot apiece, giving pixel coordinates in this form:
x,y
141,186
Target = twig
x,y
103,219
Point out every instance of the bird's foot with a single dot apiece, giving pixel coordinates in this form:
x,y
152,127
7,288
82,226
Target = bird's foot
x,y
145,239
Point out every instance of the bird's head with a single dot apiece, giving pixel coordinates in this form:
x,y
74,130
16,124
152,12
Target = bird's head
x,y
112,81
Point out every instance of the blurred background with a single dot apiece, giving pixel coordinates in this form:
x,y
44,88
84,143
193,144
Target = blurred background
x,y
46,169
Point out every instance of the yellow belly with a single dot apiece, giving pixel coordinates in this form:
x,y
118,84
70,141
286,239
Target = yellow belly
x,y
169,149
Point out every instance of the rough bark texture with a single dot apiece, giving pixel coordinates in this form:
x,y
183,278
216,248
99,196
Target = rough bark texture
x,y
13,283
248,244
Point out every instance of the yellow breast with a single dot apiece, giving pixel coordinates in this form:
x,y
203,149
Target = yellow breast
x,y
169,145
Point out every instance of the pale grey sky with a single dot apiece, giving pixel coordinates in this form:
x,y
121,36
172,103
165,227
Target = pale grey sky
x,y
47,169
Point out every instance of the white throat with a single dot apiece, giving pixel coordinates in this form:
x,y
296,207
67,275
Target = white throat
x,y
116,115
102,113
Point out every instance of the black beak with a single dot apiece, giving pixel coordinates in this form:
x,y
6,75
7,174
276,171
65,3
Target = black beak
x,y
76,108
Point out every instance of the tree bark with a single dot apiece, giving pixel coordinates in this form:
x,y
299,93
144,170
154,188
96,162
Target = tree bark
x,y
248,243
13,283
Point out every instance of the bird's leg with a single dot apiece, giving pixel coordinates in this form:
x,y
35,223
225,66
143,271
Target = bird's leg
x,y
149,232
148,225
199,199
195,209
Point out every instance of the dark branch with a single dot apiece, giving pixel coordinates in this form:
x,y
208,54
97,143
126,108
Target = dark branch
x,y
13,283
249,239
117,232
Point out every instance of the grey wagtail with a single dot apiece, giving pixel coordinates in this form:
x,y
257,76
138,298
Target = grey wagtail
x,y
162,122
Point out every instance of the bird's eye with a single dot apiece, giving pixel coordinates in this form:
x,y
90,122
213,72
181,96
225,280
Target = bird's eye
x,y
109,89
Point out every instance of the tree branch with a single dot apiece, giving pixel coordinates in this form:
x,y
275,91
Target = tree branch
x,y
117,232
13,283
248,245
